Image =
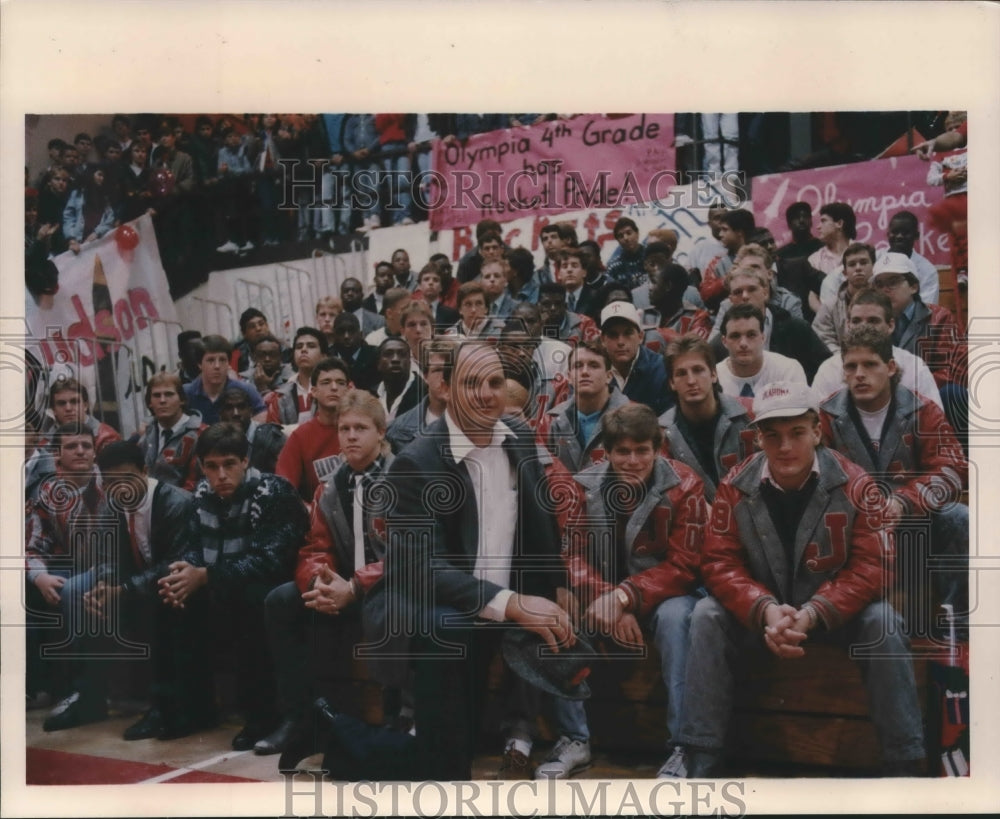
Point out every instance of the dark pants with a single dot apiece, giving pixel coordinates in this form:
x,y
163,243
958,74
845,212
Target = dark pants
x,y
451,668
191,637
300,641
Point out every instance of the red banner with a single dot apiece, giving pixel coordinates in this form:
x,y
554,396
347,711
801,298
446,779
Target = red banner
x,y
589,161
875,189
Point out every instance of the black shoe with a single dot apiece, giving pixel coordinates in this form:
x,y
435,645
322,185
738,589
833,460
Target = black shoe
x,y
148,727
280,738
252,733
184,726
75,710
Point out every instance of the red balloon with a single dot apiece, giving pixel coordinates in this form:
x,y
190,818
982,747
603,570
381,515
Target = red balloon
x,y
126,238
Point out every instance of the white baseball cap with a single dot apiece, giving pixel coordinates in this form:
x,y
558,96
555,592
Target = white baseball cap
x,y
783,399
893,263
621,310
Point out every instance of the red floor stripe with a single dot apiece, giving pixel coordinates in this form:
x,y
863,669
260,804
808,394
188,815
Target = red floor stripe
x,y
206,776
46,767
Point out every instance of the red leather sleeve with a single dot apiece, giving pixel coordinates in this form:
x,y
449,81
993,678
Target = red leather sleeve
x,y
317,551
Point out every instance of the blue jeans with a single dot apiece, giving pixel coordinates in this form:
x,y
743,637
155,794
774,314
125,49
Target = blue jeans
x,y
719,641
668,628
398,176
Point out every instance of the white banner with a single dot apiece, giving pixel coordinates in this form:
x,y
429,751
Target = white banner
x,y
112,320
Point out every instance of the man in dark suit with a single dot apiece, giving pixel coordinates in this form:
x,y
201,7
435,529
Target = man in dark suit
x,y
469,542
383,281
352,297
349,344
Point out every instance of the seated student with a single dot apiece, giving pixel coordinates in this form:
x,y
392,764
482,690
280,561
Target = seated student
x,y
410,424
798,217
754,257
264,438
417,329
151,518
352,301
554,241
204,394
292,402
470,265
68,514
327,310
494,275
545,385
449,284
659,256
339,561
580,297
350,346
240,543
837,229
393,302
930,331
734,231
399,386
310,455
374,301
793,555
749,283
873,309
633,571
522,282
69,403
902,233
253,325
637,371
830,323
793,275
747,365
558,321
627,268
168,443
189,349
706,430
669,314
268,371
905,442
571,429
474,321
430,291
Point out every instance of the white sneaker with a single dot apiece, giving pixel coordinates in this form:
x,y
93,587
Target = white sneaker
x,y
407,221
568,756
675,767
228,247
247,247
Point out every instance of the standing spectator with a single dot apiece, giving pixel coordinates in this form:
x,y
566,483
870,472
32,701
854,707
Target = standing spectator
x,y
360,142
88,214
395,133
271,137
234,193
136,195
721,133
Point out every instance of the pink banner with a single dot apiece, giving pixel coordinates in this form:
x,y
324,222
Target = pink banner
x,y
875,189
589,161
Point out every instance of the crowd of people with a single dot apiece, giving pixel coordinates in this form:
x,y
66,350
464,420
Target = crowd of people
x,y
717,459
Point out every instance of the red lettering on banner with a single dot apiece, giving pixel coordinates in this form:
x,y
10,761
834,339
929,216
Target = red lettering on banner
x,y
836,528
591,225
115,327
461,242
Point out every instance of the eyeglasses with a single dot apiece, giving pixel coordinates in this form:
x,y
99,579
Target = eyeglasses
x,y
889,282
